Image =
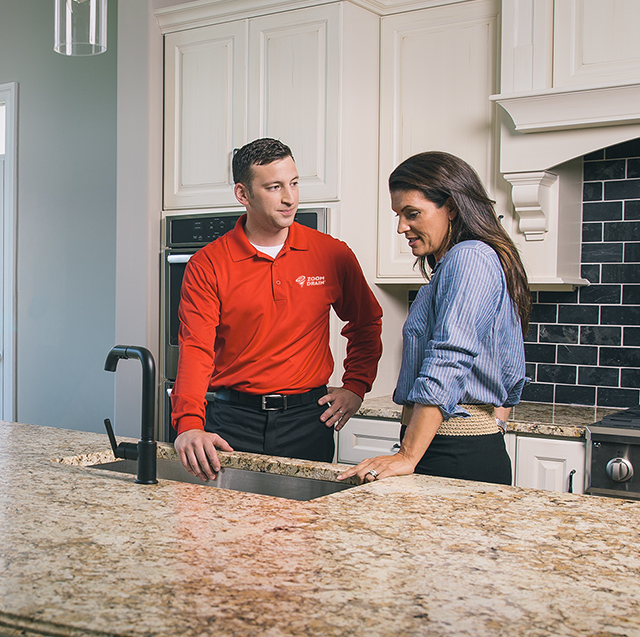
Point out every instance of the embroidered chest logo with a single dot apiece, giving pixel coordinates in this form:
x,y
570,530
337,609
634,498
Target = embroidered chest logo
x,y
303,280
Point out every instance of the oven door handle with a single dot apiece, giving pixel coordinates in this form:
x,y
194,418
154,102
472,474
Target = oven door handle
x,y
178,258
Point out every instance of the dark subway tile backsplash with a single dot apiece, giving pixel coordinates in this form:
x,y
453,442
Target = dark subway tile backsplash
x,y
602,252
631,294
578,314
599,376
632,210
575,395
620,315
619,357
631,337
602,211
540,353
603,170
583,347
622,230
627,189
596,335
539,393
558,333
592,191
632,252
610,397
577,355
557,374
620,273
630,377
601,294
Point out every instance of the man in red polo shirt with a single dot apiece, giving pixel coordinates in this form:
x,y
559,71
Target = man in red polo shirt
x,y
254,328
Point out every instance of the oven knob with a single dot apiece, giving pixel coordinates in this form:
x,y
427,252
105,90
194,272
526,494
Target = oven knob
x,y
619,469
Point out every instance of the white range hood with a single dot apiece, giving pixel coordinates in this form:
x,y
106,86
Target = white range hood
x,y
570,85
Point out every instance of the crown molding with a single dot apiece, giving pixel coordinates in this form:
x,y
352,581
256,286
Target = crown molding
x,y
564,109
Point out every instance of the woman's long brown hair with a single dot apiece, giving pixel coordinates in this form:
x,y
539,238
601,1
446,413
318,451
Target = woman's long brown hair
x,y
441,178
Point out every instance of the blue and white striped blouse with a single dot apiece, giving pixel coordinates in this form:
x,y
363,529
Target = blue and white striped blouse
x,y
462,339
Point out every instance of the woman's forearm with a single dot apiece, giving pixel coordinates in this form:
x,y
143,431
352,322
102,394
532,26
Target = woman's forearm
x,y
422,427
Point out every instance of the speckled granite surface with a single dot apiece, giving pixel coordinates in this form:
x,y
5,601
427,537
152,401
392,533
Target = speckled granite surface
x,y
87,552
565,421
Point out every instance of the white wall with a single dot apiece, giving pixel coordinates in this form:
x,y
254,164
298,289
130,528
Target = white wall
x,y
66,219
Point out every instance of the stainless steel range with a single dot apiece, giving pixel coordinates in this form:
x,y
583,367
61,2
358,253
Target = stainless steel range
x,y
613,455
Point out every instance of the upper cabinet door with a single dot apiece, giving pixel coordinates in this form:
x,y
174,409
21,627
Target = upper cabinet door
x,y
294,80
596,42
205,113
438,71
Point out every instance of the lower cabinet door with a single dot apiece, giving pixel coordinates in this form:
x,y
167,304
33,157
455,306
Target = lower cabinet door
x,y
363,438
554,465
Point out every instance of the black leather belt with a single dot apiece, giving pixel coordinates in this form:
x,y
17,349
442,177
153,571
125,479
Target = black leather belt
x,y
270,402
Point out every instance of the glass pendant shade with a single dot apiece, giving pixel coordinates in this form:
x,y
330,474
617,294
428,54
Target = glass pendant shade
x,y
80,27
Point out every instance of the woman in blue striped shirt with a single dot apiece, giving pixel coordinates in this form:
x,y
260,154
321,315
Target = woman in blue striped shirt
x,y
463,361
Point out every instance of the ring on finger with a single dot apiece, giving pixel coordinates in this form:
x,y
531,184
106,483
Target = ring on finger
x,y
373,473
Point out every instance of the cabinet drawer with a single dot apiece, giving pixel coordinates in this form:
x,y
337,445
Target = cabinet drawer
x,y
363,438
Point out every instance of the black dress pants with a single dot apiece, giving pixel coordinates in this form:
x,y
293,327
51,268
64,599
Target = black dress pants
x,y
481,458
297,432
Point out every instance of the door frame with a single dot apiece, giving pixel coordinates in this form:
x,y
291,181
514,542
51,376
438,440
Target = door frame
x,y
8,210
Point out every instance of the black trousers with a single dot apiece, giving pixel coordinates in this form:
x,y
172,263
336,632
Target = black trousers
x,y
292,433
481,458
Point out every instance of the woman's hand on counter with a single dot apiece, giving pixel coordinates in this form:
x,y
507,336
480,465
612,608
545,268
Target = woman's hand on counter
x,y
421,428
342,404
380,467
197,451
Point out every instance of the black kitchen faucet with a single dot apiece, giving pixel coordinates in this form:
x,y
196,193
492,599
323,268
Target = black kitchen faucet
x,y
145,450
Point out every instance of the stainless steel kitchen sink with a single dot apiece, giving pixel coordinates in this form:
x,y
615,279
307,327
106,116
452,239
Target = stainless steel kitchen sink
x,y
280,486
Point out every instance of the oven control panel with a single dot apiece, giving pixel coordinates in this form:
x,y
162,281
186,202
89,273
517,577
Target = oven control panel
x,y
198,231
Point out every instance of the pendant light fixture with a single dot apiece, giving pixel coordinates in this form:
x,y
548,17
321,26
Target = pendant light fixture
x,y
80,27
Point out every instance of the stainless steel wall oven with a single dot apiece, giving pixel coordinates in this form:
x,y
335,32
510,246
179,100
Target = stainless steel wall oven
x,y
184,235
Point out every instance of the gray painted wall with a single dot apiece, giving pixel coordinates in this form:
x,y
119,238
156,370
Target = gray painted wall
x,y
66,223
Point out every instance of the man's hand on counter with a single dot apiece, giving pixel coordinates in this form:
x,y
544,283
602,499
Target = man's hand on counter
x,y
342,404
197,451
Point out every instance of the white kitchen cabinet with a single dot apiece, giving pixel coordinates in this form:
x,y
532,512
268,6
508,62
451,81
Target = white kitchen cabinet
x,y
269,76
596,42
550,464
438,70
363,438
205,81
294,91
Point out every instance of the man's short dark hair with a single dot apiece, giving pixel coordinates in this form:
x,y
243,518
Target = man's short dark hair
x,y
257,153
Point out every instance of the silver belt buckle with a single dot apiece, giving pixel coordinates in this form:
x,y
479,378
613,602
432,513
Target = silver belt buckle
x,y
265,399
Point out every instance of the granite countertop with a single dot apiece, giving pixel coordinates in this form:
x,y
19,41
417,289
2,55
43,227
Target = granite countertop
x,y
89,552
563,421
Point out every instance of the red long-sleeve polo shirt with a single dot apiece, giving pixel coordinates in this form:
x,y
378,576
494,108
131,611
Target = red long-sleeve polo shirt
x,y
261,325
